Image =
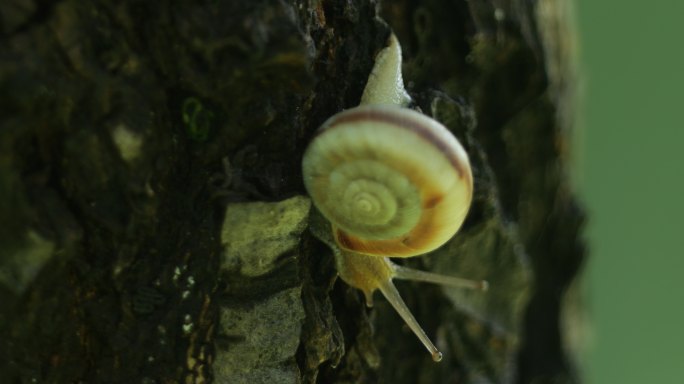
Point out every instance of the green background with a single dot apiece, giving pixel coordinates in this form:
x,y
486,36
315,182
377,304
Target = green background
x,y
630,174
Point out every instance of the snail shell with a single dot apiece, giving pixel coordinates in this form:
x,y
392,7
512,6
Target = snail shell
x,y
392,181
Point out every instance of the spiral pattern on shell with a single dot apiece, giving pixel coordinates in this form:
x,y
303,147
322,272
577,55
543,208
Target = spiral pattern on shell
x,y
392,181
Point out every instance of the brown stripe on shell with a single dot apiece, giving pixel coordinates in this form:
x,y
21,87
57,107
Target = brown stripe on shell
x,y
412,245
343,240
432,201
419,240
386,116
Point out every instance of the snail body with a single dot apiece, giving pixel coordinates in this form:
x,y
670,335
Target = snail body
x,y
392,182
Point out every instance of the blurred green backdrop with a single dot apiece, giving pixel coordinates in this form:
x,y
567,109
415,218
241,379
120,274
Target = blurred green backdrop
x,y
631,176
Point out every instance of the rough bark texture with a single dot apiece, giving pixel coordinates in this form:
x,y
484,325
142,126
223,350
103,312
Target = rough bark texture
x,y
155,229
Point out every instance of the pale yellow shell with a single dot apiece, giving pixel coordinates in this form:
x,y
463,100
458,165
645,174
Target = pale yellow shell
x,y
392,181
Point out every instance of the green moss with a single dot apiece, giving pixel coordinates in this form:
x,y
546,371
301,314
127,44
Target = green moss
x,y
19,268
256,234
262,340
197,118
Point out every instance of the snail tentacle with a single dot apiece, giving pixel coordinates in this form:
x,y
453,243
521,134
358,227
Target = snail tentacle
x,y
392,295
405,273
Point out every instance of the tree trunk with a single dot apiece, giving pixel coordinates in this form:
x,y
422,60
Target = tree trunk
x,y
154,224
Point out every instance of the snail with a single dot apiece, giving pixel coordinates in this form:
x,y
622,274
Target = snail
x,y
393,183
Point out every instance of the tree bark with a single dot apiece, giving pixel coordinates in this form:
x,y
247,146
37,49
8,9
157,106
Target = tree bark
x,y
154,225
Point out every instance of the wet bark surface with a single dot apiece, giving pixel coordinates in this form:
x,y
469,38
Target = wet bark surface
x,y
154,224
